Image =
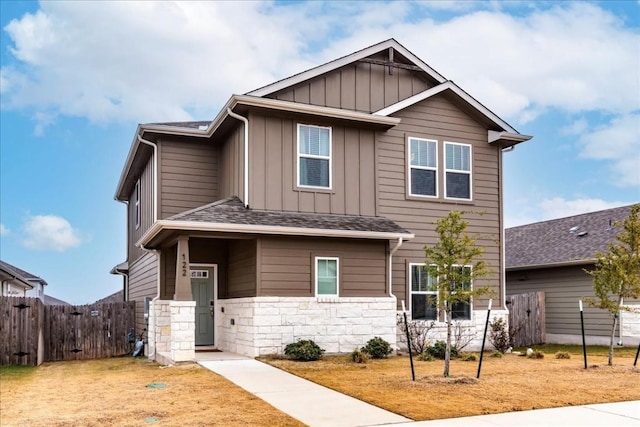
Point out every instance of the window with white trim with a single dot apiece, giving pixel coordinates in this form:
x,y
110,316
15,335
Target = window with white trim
x,y
326,274
136,204
314,156
423,167
457,181
424,295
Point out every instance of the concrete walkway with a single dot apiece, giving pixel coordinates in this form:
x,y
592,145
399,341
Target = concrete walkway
x,y
318,406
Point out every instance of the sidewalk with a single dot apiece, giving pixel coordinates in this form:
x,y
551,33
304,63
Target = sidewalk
x,y
318,406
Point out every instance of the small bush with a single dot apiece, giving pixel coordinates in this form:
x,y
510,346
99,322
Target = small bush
x,y
358,356
496,354
536,355
377,348
305,350
499,335
563,355
438,350
467,357
425,356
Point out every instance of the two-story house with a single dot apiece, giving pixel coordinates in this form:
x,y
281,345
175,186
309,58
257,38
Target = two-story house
x,y
17,282
301,211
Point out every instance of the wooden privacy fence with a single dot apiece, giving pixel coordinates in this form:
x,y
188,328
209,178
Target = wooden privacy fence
x,y
527,319
31,332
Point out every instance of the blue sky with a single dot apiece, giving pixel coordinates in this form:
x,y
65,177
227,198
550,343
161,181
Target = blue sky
x,y
77,77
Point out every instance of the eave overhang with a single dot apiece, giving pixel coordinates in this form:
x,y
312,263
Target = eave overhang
x,y
150,239
571,263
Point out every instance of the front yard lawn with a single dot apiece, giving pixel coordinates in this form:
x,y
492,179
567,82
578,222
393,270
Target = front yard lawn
x,y
510,383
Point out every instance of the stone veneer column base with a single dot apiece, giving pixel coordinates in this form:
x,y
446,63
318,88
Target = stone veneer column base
x,y
265,325
172,331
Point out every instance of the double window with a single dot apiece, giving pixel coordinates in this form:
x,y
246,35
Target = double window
x,y
423,168
327,277
424,295
314,156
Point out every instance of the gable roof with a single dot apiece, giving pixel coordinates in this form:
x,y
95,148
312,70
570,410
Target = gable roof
x,y
21,274
572,240
49,300
231,215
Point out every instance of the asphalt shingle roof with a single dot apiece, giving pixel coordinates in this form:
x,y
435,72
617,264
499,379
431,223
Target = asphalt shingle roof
x,y
573,238
19,272
233,211
190,125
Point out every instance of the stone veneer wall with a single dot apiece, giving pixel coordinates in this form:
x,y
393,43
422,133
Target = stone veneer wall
x,y
472,329
265,325
172,331
159,335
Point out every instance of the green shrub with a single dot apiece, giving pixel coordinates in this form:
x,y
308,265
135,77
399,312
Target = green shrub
x,y
467,357
425,356
563,355
499,335
438,350
305,350
377,348
496,353
358,356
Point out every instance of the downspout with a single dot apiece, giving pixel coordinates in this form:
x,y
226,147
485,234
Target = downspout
x,y
503,272
156,298
246,153
155,175
393,251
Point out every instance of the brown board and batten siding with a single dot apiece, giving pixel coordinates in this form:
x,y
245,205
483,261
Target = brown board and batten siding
x,y
438,119
273,169
287,266
242,269
563,288
188,176
146,212
359,86
142,283
231,175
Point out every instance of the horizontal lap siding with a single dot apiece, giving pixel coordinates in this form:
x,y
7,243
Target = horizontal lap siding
x,y
188,176
359,86
436,118
242,269
142,283
287,266
146,212
273,169
563,288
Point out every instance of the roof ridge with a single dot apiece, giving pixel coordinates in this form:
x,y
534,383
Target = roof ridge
x,y
571,216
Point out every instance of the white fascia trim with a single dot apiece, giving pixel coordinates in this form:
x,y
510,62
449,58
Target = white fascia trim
x,y
552,265
407,102
346,60
264,229
516,138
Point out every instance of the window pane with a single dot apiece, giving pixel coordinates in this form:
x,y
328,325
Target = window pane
x,y
423,153
314,141
314,172
327,276
423,307
327,286
423,182
461,311
458,157
458,185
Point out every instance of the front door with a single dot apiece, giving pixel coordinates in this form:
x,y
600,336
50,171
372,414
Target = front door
x,y
202,287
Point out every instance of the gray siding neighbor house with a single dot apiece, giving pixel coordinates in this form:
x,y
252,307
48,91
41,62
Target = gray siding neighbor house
x,y
17,282
551,256
302,209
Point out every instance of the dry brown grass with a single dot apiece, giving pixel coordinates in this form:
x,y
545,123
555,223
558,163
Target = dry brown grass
x,y
510,383
110,392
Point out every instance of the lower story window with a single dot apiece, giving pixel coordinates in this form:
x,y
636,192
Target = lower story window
x,y
424,294
327,276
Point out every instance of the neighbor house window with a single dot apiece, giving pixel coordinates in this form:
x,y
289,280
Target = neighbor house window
x,y
423,167
457,181
326,276
136,204
314,156
424,294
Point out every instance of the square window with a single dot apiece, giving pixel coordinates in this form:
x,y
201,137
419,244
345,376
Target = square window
x,y
423,167
457,171
314,156
326,276
424,295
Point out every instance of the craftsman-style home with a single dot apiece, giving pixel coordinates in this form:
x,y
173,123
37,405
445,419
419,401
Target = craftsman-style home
x,y
302,209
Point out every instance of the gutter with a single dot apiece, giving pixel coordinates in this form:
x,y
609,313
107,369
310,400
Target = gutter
x,y
393,251
552,264
246,153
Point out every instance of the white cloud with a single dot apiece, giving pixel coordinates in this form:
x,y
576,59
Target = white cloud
x,y
4,231
619,142
556,207
152,61
49,233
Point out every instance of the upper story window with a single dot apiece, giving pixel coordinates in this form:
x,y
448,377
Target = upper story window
x,y
136,204
314,156
423,162
457,181
424,295
327,276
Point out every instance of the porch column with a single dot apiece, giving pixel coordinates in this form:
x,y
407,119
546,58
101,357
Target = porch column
x,y
183,274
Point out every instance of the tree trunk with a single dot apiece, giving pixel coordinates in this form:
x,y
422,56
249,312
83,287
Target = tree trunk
x,y
447,353
613,334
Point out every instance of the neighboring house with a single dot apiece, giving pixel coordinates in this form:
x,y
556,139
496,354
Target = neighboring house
x,y
114,297
18,282
302,210
551,256
49,300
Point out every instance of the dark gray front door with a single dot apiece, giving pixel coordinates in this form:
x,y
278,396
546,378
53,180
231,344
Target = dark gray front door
x,y
202,287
